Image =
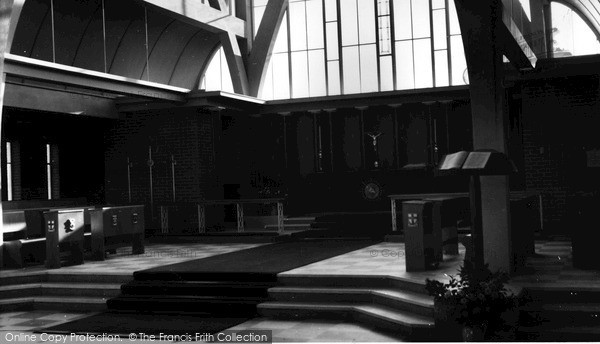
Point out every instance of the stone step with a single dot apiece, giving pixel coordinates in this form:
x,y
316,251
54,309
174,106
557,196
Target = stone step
x,y
299,220
356,281
198,288
103,290
413,325
559,333
392,298
66,304
86,277
187,304
562,314
292,226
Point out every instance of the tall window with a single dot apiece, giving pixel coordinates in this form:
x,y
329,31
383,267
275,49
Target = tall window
x,y
9,178
49,171
361,46
571,35
216,76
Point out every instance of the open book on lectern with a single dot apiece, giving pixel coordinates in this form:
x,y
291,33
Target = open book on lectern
x,y
479,162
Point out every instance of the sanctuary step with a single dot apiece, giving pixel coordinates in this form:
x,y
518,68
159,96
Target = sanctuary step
x,y
561,313
231,284
388,303
58,291
294,223
349,224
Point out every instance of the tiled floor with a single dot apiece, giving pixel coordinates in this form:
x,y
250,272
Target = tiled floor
x,y
123,262
551,265
383,259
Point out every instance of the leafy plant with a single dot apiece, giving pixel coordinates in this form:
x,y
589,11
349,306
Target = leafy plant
x,y
476,297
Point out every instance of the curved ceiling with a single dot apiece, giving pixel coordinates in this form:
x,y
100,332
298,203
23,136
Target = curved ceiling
x,y
590,11
176,52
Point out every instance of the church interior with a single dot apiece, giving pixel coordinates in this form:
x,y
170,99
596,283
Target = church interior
x,y
173,170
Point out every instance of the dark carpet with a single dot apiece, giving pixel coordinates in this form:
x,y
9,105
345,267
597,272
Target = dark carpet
x,y
221,290
259,263
121,323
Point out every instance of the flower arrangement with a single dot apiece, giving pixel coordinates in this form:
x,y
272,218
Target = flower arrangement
x,y
475,298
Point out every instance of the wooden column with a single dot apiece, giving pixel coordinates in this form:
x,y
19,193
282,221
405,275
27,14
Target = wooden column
x,y
6,12
481,24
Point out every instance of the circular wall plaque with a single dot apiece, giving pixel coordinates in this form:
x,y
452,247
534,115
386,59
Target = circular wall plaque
x,y
371,190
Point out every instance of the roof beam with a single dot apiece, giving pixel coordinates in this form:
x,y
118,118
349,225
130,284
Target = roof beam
x,y
262,47
513,50
32,69
201,15
235,61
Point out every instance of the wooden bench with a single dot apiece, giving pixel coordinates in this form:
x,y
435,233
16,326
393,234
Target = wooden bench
x,y
26,232
114,227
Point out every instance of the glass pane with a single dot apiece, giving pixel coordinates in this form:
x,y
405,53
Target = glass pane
x,y
526,9
441,68
405,73
383,7
385,40
212,74
368,68
366,21
402,20
299,74
330,10
298,23
348,17
351,66
386,73
420,13
438,4
281,42
259,3
332,41
226,83
314,15
439,30
267,86
333,80
454,26
281,76
423,63
258,14
316,69
459,64
573,36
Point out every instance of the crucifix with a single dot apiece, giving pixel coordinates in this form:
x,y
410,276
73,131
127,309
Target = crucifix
x,y
374,136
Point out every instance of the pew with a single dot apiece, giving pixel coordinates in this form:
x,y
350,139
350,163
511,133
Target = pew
x,y
64,233
26,233
114,227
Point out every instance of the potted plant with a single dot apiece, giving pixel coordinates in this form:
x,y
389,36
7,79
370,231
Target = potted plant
x,y
476,302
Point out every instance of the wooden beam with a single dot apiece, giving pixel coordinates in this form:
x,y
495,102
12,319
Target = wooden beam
x,y
6,16
35,97
48,72
262,47
480,23
200,15
14,19
515,52
235,61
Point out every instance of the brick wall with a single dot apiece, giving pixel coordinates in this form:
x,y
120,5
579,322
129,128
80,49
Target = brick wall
x,y
559,124
184,135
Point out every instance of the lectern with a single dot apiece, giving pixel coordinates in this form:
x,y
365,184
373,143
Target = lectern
x,y
476,164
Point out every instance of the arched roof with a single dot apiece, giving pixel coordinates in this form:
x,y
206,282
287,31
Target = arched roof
x,y
589,10
177,51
